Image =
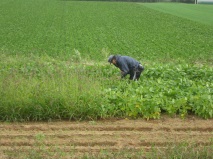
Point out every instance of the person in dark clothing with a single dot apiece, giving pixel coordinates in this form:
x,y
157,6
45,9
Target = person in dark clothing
x,y
127,65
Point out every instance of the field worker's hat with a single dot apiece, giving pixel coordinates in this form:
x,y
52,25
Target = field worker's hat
x,y
110,58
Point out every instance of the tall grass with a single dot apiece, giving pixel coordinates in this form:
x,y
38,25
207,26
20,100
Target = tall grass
x,y
45,89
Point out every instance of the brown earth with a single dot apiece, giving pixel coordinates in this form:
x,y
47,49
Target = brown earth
x,y
110,135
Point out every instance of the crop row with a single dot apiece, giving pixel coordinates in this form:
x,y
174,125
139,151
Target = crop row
x,y
56,28
172,89
45,88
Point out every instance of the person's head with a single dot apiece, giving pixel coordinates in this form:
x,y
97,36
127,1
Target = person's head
x,y
112,59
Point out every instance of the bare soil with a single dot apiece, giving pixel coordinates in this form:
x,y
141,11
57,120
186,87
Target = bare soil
x,y
110,135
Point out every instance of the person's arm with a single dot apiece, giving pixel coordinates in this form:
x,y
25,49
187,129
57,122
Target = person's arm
x,y
124,69
123,74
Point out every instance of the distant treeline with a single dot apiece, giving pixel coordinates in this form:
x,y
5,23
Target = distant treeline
x,y
147,1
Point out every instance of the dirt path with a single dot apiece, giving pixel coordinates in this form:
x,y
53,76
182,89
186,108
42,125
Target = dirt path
x,y
113,135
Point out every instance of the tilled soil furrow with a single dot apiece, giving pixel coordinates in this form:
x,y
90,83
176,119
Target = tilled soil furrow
x,y
45,128
100,133
117,137
76,148
108,128
69,143
206,129
81,137
97,142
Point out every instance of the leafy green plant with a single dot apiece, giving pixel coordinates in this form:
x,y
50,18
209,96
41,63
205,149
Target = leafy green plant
x,y
165,88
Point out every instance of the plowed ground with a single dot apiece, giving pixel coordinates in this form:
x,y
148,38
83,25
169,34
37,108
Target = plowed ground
x,y
77,138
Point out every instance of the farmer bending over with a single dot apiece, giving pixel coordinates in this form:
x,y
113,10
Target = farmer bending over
x,y
127,65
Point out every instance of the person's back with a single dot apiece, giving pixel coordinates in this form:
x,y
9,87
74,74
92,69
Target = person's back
x,y
127,65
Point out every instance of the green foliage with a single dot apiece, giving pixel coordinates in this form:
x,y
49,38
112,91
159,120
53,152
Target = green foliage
x,y
33,88
45,88
48,61
165,88
58,28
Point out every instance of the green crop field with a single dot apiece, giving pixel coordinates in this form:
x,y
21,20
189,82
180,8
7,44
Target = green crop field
x,y
56,28
53,60
199,13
